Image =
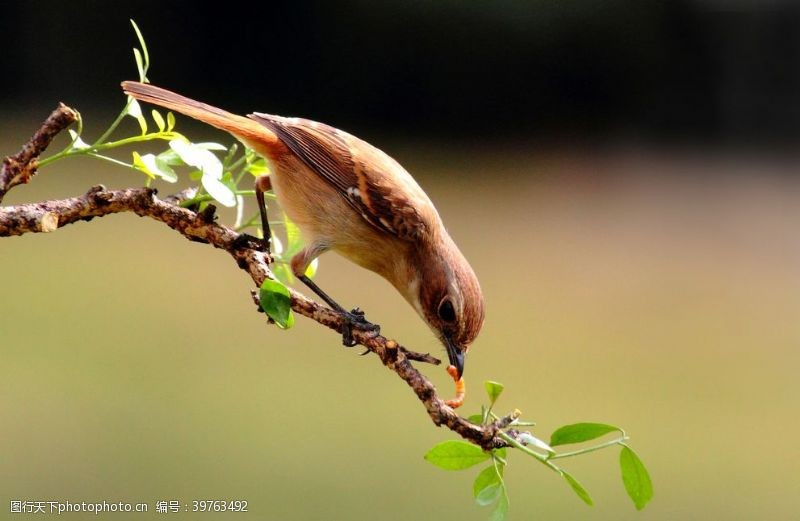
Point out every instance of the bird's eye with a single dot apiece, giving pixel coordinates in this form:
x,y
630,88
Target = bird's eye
x,y
446,311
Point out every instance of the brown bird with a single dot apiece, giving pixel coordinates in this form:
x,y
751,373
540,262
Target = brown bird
x,y
350,197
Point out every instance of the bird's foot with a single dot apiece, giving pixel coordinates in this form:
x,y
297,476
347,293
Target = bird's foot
x,y
245,240
355,320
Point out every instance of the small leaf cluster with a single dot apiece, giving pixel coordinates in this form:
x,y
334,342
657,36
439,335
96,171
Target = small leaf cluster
x,y
490,484
219,179
635,477
220,172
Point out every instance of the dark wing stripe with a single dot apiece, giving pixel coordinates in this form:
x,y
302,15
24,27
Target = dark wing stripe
x,y
338,171
313,155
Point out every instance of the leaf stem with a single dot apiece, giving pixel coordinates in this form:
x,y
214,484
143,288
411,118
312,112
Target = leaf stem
x,y
236,164
92,150
114,124
55,157
514,443
110,159
135,139
616,441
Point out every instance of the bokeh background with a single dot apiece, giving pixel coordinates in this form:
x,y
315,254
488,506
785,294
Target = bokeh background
x,y
621,174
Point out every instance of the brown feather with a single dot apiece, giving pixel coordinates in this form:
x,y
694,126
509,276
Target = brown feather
x,y
362,174
252,134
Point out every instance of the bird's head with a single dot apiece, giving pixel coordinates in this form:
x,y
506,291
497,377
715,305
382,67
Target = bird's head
x,y
448,297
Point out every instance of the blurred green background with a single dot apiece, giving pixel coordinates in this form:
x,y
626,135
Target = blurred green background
x,y
639,284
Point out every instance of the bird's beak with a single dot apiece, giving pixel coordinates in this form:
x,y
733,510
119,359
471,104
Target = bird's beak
x,y
455,354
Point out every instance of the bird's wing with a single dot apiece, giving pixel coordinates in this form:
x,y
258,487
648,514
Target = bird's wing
x,y
371,182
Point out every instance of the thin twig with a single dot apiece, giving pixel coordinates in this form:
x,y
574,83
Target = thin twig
x,y
19,168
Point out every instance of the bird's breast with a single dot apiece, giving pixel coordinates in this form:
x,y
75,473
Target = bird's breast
x,y
325,218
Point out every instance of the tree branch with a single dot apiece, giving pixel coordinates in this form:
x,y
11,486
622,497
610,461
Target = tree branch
x,y
21,167
48,216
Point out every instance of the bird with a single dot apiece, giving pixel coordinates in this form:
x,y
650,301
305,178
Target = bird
x,y
350,197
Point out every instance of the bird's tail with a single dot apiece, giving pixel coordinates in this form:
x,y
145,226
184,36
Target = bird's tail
x,y
253,134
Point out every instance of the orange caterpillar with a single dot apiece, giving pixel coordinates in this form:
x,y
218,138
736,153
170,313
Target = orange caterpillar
x,y
461,388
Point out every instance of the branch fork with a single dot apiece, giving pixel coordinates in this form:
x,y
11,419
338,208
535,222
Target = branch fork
x,y
22,166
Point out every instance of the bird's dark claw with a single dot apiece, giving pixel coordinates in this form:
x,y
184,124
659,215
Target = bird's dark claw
x,y
245,240
355,319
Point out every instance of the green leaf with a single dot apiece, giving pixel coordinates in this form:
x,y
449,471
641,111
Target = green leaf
x,y
137,55
140,165
489,494
258,168
170,121
133,108
142,64
475,418
135,111
577,487
485,478
500,453
219,190
493,389
171,158
635,478
580,432
294,238
277,303
313,266
150,165
456,455
501,510
159,120
283,272
199,157
165,171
